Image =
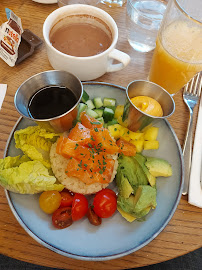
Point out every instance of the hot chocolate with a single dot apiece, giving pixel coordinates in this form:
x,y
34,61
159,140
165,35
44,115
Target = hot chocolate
x,y
81,36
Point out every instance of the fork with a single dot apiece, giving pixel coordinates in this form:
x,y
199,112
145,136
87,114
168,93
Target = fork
x,y
191,95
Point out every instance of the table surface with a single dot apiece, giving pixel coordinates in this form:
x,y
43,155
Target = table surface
x,y
183,233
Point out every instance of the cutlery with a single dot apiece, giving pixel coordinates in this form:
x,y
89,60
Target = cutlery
x,y
195,188
191,96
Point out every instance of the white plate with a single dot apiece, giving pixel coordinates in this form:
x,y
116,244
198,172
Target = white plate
x,y
46,1
115,237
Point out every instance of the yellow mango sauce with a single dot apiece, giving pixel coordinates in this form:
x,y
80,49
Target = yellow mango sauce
x,y
148,105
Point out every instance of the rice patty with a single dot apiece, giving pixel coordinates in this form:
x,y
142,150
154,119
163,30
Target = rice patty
x,y
59,165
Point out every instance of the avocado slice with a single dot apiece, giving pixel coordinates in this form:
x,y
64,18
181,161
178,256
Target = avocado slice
x,y
158,167
125,189
127,216
139,205
141,160
126,165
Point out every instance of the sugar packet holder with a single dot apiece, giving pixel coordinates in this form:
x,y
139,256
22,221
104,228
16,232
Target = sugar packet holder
x,y
10,38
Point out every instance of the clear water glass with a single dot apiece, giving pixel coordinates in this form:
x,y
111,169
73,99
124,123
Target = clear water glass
x,y
113,3
143,22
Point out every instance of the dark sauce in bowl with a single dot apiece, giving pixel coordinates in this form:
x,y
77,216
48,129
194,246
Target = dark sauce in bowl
x,y
50,102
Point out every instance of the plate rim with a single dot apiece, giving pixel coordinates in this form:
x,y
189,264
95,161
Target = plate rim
x,y
107,257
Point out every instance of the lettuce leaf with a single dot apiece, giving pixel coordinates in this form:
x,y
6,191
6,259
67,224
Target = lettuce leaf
x,y
35,142
26,177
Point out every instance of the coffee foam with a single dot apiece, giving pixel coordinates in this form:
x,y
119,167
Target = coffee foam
x,y
82,18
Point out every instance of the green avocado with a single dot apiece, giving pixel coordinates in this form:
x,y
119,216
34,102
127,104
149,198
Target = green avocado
x,y
131,169
139,205
158,167
141,160
124,186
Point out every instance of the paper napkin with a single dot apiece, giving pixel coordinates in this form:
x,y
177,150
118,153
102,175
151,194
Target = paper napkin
x,y
195,189
3,88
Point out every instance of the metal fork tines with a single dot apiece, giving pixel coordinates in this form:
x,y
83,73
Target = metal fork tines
x,y
191,96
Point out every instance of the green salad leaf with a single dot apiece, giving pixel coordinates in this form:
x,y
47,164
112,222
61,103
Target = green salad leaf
x,y
35,142
26,177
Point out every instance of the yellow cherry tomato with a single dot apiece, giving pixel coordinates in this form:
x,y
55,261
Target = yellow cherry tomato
x,y
49,201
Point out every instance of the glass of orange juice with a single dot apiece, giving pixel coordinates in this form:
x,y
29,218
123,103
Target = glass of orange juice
x,y
178,53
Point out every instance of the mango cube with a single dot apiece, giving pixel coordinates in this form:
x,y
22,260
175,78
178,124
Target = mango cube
x,y
151,145
136,135
138,144
118,111
151,134
115,131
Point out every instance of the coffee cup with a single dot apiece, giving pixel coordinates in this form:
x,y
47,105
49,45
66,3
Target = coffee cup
x,y
87,67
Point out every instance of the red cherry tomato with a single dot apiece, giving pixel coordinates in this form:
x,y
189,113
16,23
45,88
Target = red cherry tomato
x,y
107,190
62,218
79,206
67,198
105,204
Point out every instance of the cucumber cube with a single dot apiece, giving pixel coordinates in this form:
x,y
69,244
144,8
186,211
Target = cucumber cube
x,y
108,114
92,113
85,97
98,102
90,104
108,102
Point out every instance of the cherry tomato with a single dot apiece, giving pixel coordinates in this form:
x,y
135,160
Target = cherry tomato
x,y
79,206
93,218
62,218
105,204
49,201
107,190
67,198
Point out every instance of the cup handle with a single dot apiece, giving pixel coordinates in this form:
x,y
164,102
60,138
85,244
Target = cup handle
x,y
121,57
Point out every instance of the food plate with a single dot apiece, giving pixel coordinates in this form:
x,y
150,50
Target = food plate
x,y
115,237
46,1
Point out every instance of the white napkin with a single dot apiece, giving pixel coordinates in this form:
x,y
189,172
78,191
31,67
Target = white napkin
x,y
195,189
3,88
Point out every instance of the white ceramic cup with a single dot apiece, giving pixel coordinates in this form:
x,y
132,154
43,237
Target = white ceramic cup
x,y
85,68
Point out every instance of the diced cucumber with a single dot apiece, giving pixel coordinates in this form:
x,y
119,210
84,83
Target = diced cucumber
x,y
99,112
108,114
82,107
92,113
90,104
112,122
108,102
98,102
101,120
112,107
85,97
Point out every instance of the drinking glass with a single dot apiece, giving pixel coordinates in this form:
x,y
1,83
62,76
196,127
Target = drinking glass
x,y
178,54
143,21
62,3
113,3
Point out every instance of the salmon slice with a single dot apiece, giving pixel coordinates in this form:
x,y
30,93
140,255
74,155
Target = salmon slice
x,y
81,134
89,122
76,168
126,148
104,141
60,145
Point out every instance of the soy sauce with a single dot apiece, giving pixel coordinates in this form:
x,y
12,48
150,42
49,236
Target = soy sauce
x,y
51,101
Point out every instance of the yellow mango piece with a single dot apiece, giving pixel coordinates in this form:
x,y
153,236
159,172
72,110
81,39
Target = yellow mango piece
x,y
118,111
124,124
139,145
127,216
151,145
151,134
136,135
115,130
126,137
124,131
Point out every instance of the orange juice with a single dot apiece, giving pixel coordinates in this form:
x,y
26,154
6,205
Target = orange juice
x,y
177,57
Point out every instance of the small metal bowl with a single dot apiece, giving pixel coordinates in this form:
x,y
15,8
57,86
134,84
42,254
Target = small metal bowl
x,y
134,118
28,88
